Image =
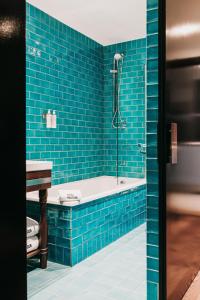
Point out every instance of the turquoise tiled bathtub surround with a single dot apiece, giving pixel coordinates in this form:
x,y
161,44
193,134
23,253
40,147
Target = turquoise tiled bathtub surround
x,y
64,72
152,161
132,106
77,232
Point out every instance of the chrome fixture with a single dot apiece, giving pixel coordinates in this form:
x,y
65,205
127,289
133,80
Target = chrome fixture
x,y
122,163
142,148
118,56
117,120
122,181
113,71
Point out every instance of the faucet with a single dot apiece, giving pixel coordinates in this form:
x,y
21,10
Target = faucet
x,y
142,148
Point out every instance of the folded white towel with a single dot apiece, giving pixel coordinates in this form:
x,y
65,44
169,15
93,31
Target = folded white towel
x,y
32,243
32,227
69,195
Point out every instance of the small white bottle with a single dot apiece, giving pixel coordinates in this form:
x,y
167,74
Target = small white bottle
x,y
53,119
48,119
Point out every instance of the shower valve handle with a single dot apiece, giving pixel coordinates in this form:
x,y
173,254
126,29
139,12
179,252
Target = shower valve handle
x,y
113,71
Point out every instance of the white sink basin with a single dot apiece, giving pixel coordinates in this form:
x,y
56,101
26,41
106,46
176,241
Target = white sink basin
x,y
36,165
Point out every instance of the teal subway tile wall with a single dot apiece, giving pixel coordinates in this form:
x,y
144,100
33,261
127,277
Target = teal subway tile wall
x,y
65,73
77,232
132,106
152,159
70,73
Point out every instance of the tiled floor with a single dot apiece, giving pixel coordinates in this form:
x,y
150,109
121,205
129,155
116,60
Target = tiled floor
x,y
117,272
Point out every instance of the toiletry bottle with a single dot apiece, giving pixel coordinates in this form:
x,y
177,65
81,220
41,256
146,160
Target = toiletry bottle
x,y
53,119
48,119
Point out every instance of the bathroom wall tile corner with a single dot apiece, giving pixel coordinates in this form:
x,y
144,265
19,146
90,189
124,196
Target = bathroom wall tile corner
x,y
152,159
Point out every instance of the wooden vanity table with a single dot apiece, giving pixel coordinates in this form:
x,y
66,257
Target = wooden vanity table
x,y
38,178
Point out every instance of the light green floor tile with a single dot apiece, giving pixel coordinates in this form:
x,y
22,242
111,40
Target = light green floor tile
x,y
116,272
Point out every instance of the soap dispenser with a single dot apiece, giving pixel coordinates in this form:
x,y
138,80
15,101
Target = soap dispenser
x,y
53,119
48,119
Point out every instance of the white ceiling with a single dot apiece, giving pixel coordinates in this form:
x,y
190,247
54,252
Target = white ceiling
x,y
106,21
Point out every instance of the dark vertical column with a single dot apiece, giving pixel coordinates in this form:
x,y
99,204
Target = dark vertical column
x,y
12,150
43,229
162,148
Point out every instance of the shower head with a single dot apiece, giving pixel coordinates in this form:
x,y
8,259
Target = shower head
x,y
118,56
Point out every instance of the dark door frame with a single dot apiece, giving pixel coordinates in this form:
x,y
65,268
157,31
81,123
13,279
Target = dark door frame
x,y
12,150
162,150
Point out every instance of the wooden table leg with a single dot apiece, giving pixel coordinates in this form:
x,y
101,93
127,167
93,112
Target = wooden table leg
x,y
43,229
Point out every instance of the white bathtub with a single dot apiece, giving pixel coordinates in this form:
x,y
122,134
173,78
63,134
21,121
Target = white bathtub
x,y
91,189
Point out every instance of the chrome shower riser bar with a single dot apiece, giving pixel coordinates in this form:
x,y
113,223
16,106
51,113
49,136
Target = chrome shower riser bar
x,y
117,121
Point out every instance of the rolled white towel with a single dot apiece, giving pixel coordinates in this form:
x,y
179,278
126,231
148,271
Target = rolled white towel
x,y
69,195
32,227
32,243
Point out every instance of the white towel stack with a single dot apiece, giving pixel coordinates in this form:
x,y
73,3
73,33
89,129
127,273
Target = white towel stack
x,y
32,229
32,243
69,195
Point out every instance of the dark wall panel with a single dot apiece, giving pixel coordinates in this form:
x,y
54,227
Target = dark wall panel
x,y
183,163
12,150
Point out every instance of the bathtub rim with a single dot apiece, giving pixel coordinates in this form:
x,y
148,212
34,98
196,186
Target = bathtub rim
x,y
95,197
89,203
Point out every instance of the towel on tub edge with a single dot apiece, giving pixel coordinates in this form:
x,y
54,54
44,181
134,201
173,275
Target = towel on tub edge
x,y
69,195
